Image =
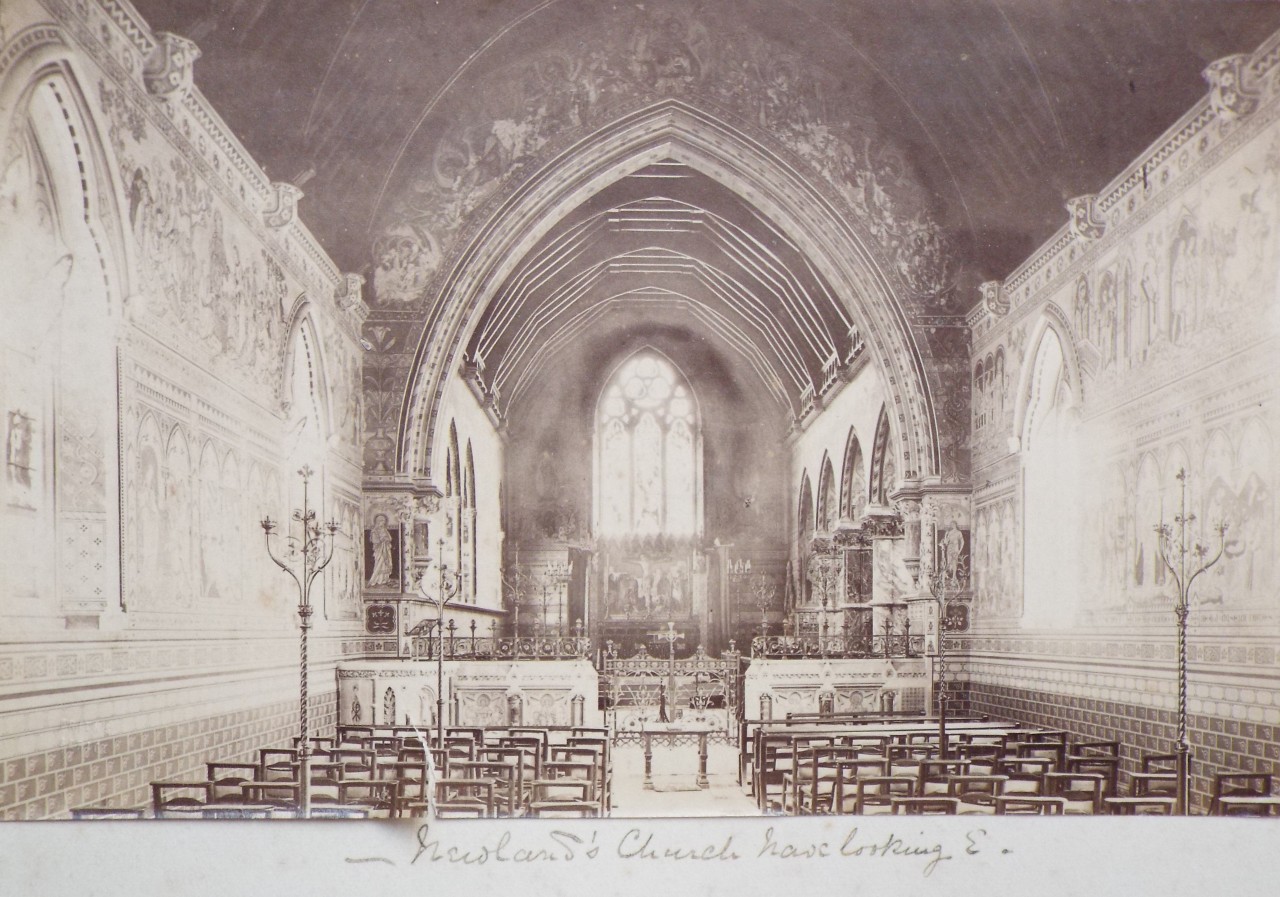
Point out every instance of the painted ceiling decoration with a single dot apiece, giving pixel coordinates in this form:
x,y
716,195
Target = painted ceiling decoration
x,y
931,152
522,113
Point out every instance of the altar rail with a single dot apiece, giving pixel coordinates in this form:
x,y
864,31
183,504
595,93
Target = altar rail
x,y
464,647
837,646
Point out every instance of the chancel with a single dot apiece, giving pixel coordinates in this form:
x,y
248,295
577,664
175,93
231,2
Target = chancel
x,y
651,409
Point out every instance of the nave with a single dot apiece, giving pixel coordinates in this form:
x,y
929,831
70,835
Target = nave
x,y
494,409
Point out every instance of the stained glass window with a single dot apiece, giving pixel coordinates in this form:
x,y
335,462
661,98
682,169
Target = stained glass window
x,y
648,480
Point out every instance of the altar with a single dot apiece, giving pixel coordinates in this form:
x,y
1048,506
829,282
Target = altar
x,y
675,734
773,688
476,693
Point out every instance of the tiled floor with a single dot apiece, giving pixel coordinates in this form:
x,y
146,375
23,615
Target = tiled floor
x,y
677,769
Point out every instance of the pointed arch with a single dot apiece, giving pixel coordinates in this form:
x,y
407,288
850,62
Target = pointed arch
x,y
827,511
1052,320
883,473
1053,516
839,249
804,511
306,384
853,495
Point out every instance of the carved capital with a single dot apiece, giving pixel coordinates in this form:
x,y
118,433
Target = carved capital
x,y
1086,221
168,72
993,298
286,205
1228,96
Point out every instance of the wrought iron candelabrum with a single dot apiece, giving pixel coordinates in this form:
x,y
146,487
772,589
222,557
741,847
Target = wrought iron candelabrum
x,y
1185,562
518,585
739,573
448,587
764,593
946,582
309,553
556,574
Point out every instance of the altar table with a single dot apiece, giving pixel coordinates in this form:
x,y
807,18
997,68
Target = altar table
x,y
673,732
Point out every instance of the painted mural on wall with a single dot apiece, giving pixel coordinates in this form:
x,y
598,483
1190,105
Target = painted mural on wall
x,y
1190,285
205,285
534,106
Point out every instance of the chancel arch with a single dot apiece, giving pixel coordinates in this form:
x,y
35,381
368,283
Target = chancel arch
x,y
672,131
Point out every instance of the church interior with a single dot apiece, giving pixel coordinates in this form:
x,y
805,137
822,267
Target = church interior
x,y
572,408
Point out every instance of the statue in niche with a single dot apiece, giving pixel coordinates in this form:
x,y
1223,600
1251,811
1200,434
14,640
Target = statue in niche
x,y
381,544
18,449
951,544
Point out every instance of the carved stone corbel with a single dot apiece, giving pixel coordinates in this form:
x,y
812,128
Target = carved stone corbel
x,y
286,205
1086,221
1229,98
168,72
993,298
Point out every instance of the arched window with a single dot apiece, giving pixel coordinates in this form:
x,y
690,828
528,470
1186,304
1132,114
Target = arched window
x,y
648,452
1051,507
853,498
828,511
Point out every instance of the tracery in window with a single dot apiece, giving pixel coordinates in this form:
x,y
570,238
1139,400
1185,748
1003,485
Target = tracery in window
x,y
648,452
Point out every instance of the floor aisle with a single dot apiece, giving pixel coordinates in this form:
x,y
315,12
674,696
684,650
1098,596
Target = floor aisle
x,y
674,776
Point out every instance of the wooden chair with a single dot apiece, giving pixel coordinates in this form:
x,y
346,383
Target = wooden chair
x,y
976,794
336,811
225,780
241,811
809,783
459,797
375,796
408,794
1149,805
108,813
845,775
875,794
1108,768
586,772
1081,792
509,791
1157,778
934,774
178,799
279,794
357,763
774,758
1029,805
277,763
354,734
1238,784
923,806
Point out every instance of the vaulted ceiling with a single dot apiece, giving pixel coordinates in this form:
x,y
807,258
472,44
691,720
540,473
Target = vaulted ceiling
x,y
669,240
1001,109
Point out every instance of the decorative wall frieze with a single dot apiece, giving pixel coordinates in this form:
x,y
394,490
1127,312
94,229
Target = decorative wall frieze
x,y
1182,155
114,37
